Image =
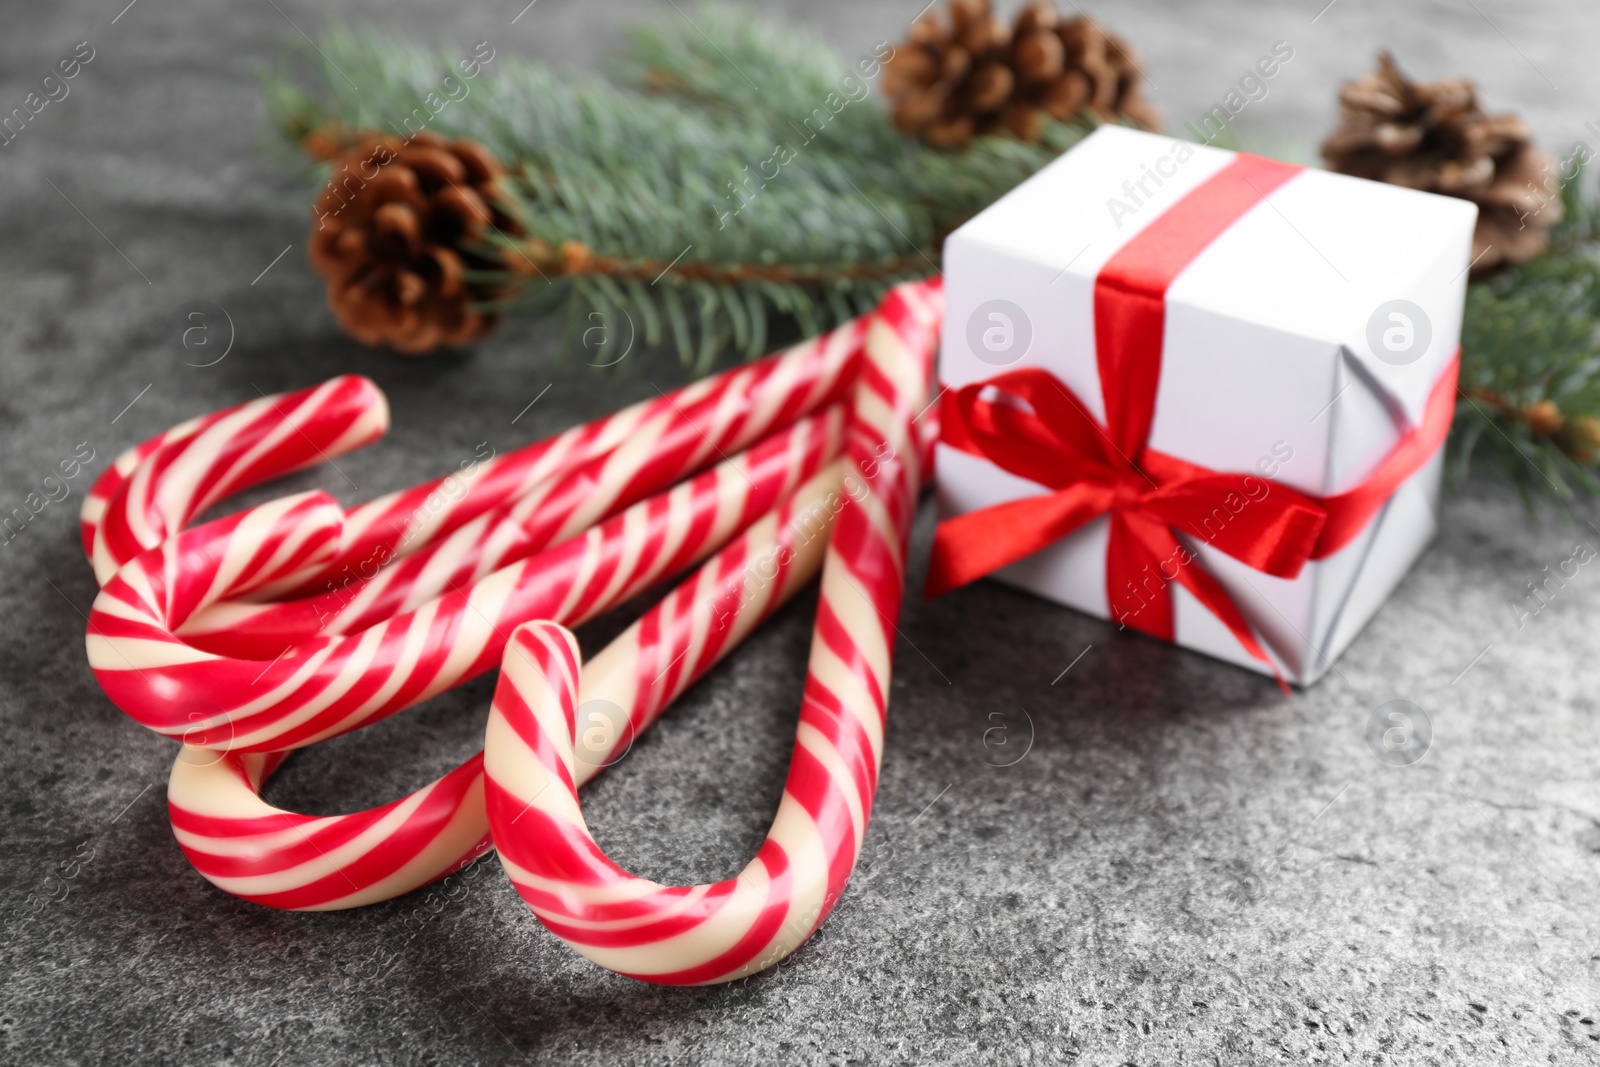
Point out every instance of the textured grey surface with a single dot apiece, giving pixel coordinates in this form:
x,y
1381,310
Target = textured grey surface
x,y
1183,868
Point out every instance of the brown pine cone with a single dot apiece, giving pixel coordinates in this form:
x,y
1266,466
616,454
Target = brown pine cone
x,y
1437,138
396,227
975,75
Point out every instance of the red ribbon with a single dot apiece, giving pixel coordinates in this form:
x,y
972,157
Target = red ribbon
x,y
1151,497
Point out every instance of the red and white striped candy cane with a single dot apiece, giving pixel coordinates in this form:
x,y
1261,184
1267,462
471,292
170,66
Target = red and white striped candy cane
x,y
153,490
331,685
311,533
730,409
667,446
306,862
359,396
715,933
112,479
679,431
283,859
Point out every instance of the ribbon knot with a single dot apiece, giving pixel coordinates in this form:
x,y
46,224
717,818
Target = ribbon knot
x,y
1131,489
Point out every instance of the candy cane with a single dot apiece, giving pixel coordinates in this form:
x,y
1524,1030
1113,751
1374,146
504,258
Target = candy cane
x,y
716,933
331,685
732,408
311,528
361,395
151,491
702,421
92,514
290,860
666,446
282,859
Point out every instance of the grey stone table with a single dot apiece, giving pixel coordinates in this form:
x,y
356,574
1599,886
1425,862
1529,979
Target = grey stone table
x,y
1184,868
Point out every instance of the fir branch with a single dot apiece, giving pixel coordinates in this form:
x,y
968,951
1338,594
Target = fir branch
x,y
705,60
1530,370
750,175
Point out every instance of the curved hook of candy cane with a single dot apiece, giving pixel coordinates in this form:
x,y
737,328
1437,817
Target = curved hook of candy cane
x,y
282,859
235,554
667,447
114,476
152,491
333,684
111,480
694,935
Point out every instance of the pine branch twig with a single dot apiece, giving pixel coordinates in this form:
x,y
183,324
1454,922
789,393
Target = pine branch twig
x,y
1530,370
744,173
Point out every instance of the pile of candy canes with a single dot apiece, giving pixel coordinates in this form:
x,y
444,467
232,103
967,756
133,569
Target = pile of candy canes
x,y
289,623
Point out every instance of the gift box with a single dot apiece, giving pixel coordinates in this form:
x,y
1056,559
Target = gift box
x,y
1199,393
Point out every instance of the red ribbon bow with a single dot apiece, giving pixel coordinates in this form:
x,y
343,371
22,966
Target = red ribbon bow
x,y
1151,497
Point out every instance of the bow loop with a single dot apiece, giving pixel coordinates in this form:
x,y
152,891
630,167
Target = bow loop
x,y
1055,444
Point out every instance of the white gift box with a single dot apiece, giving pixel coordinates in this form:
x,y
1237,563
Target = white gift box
x,y
1302,343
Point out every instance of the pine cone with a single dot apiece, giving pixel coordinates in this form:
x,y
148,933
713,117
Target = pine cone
x,y
949,83
397,226
1437,138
